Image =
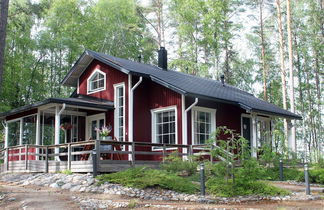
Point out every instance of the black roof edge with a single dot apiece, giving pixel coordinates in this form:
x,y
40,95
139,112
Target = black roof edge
x,y
292,116
54,100
211,99
247,108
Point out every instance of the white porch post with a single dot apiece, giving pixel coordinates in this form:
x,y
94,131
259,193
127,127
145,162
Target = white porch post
x,y
184,126
21,132
58,113
272,124
6,143
254,136
6,158
37,133
291,137
57,130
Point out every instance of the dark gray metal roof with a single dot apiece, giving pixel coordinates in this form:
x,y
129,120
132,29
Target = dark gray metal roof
x,y
82,101
180,82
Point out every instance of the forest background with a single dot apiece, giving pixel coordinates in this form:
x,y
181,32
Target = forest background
x,y
272,48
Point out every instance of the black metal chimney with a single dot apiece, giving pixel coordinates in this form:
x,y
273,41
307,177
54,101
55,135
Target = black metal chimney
x,y
222,77
163,58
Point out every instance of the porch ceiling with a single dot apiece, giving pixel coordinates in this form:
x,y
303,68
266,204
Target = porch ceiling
x,y
80,102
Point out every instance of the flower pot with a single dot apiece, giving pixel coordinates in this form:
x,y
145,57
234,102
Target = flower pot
x,y
106,138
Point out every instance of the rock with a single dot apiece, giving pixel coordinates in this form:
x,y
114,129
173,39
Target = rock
x,y
54,185
67,186
11,199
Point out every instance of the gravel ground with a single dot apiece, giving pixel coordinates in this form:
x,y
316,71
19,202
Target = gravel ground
x,y
81,190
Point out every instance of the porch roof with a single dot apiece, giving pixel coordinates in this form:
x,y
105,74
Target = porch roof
x,y
82,102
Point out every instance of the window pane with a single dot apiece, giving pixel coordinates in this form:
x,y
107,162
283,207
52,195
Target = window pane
x,y
101,83
165,116
172,139
165,139
93,131
165,128
159,118
13,133
172,116
29,130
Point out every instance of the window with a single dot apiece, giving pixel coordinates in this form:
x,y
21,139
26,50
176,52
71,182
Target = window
x,y
203,124
164,124
96,81
14,133
119,119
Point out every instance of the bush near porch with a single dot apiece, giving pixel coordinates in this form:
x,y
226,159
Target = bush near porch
x,y
250,178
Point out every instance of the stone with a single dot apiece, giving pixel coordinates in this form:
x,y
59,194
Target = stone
x,y
11,199
54,185
66,186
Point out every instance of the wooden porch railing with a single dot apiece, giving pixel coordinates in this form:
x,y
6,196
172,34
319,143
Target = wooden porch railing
x,y
77,156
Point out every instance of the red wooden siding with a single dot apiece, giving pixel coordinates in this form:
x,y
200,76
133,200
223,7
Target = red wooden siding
x,y
226,115
113,76
149,95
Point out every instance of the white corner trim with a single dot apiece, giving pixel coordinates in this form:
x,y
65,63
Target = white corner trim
x,y
98,89
153,121
212,119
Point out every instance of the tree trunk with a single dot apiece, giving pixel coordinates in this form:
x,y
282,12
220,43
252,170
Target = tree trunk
x,y
4,4
265,73
291,71
282,66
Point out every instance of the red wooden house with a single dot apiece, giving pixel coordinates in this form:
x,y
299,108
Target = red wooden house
x,y
143,103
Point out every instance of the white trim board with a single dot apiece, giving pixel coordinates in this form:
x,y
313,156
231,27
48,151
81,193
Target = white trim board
x,y
98,89
153,120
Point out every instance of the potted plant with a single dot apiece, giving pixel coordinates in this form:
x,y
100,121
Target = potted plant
x,y
104,132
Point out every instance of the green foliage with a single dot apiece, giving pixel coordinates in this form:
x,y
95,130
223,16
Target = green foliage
x,y
221,187
142,177
273,174
315,176
250,171
175,164
67,172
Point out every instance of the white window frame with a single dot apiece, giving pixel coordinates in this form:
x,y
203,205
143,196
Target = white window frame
x,y
89,80
91,118
212,119
20,119
153,122
116,112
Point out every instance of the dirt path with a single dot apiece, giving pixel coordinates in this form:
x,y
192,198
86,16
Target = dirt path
x,y
29,197
32,197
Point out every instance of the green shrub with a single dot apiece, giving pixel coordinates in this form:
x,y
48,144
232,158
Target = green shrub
x,y
142,177
315,176
221,187
67,172
173,163
250,170
273,174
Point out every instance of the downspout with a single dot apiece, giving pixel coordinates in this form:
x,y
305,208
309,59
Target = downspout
x,y
131,109
57,127
185,123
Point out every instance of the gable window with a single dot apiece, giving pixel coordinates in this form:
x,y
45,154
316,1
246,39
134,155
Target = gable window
x,y
203,124
96,81
119,113
164,124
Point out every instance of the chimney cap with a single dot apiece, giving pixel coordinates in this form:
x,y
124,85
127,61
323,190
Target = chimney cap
x,y
222,77
163,58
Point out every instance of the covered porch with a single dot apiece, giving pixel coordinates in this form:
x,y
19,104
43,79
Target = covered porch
x,y
54,121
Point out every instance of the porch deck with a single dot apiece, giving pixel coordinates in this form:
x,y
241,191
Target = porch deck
x,y
87,156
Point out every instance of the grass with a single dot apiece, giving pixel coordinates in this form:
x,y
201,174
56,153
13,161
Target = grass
x,y
141,177
67,172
